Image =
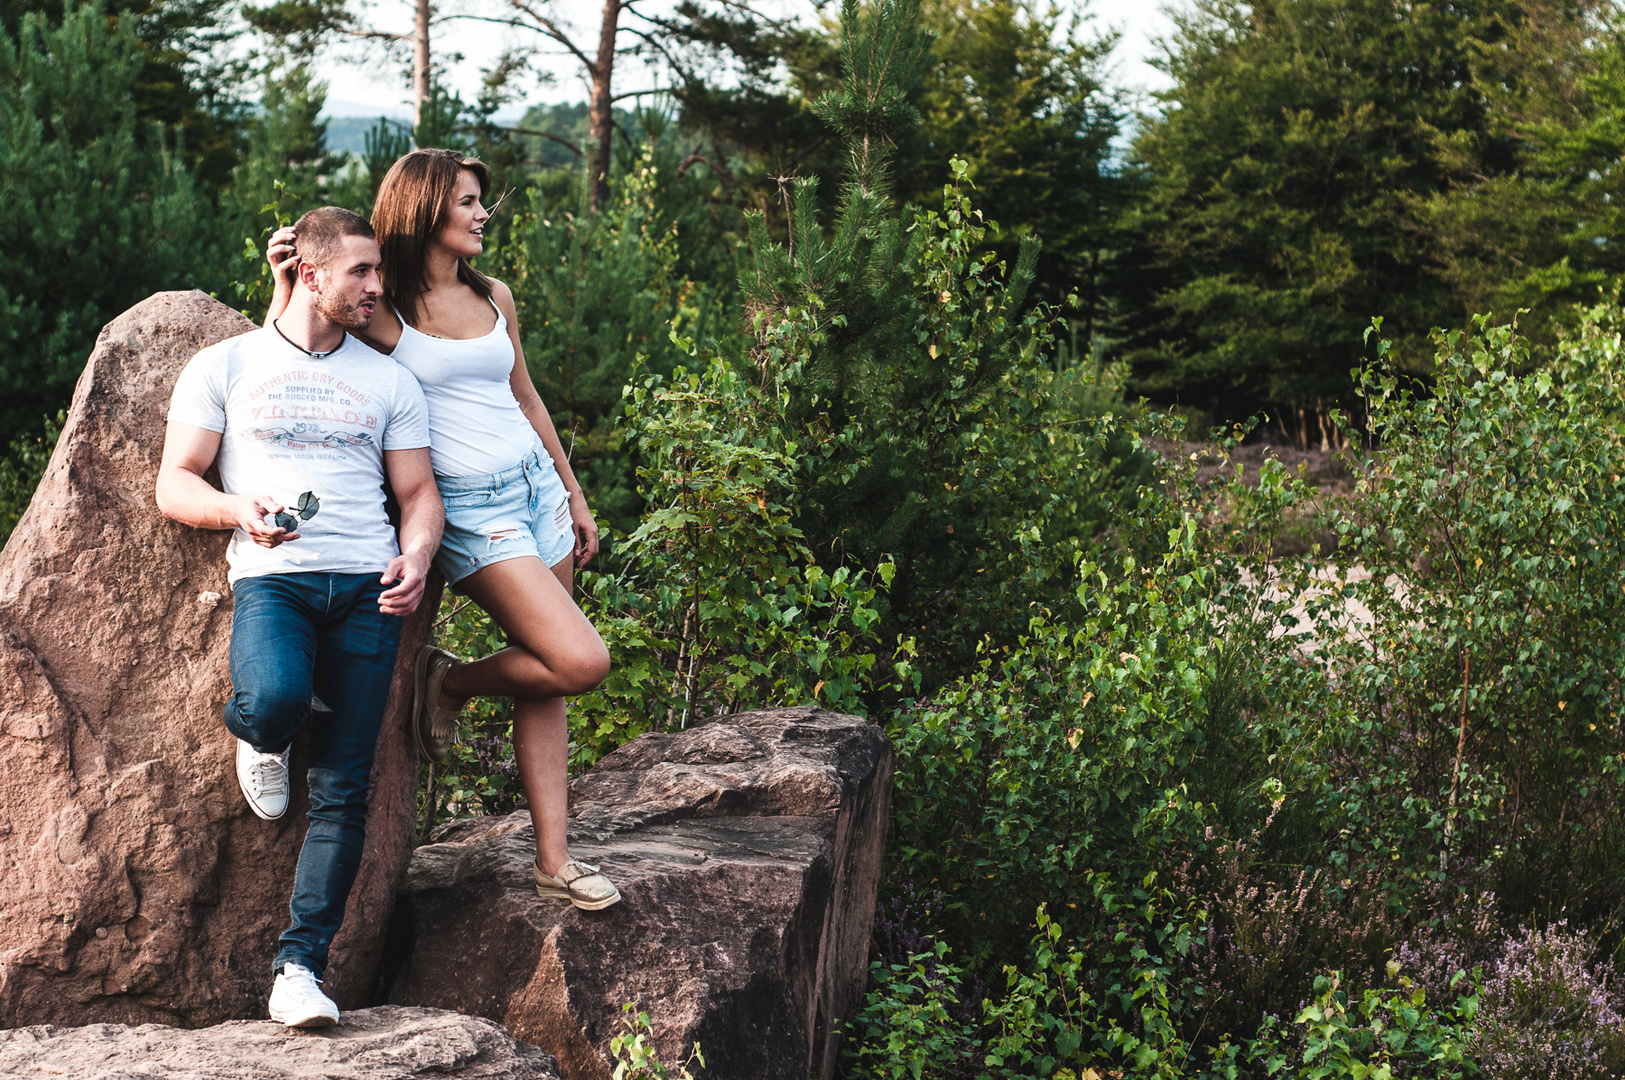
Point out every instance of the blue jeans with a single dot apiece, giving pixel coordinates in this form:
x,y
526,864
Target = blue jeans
x,y
293,635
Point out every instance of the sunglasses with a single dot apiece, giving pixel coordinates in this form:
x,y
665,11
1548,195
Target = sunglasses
x,y
308,505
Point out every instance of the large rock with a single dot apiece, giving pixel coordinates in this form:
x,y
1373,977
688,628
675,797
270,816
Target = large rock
x,y
386,1043
135,884
748,856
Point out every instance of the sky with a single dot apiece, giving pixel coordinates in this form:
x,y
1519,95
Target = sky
x,y
364,83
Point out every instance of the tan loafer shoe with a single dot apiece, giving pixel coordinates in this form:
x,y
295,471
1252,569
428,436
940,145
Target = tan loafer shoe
x,y
580,884
435,728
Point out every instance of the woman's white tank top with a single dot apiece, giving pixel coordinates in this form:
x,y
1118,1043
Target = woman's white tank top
x,y
475,426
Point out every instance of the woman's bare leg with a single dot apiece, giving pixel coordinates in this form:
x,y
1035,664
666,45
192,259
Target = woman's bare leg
x,y
554,652
541,746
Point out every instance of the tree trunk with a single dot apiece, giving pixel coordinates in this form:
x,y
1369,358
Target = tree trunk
x,y
600,112
420,63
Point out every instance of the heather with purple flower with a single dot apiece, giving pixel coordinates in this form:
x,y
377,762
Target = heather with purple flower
x,y
1551,1007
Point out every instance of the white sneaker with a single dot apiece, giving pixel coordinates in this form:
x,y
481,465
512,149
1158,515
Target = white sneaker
x,y
297,1000
264,780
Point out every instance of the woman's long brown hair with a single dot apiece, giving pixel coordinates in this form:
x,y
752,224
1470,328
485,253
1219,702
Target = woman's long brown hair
x,y
412,206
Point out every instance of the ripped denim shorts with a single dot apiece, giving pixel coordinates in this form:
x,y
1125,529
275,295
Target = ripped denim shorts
x,y
520,511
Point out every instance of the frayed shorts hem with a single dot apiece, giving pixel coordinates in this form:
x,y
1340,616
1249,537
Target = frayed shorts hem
x,y
522,511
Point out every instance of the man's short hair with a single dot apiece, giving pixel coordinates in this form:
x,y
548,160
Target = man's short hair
x,y
319,234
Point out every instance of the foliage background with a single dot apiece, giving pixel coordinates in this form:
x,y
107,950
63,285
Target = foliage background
x,y
888,364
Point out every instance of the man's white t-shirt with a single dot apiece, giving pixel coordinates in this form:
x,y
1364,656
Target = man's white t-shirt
x,y
291,423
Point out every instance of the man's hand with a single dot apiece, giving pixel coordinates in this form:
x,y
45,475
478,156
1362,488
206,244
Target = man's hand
x,y
412,478
408,573
251,514
184,496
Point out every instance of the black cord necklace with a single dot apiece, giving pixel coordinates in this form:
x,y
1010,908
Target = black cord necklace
x,y
301,348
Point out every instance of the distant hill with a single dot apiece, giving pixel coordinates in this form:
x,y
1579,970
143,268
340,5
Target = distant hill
x,y
568,122
349,133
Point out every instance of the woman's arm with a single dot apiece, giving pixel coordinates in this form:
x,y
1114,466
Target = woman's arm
x,y
279,252
530,403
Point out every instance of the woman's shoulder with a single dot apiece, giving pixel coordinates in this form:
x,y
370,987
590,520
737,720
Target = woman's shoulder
x,y
502,296
500,291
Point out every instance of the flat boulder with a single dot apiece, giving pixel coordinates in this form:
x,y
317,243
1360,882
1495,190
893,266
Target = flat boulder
x,y
386,1043
748,853
135,884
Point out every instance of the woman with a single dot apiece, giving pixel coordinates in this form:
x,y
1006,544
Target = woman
x,y
517,523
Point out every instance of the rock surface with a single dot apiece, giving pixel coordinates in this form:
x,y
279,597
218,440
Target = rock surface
x,y
135,885
386,1043
747,852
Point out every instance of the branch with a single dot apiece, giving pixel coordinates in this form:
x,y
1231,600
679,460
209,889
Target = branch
x,y
642,93
377,35
767,20
566,143
542,25
694,159
653,43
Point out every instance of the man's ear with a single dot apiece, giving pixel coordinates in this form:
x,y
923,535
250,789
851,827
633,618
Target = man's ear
x,y
306,273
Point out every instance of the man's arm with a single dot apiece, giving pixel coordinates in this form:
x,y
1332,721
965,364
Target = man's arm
x,y
422,519
184,496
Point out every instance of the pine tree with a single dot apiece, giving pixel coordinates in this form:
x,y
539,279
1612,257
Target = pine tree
x,y
846,291
1012,87
1543,236
1019,93
98,213
1291,176
188,78
885,340
286,171
892,380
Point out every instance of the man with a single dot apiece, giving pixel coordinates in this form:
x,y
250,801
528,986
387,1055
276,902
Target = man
x,y
306,423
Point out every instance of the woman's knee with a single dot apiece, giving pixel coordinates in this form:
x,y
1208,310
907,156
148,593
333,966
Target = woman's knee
x,y
575,670
590,667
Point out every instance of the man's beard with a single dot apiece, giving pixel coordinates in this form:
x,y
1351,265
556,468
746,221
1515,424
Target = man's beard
x,y
332,307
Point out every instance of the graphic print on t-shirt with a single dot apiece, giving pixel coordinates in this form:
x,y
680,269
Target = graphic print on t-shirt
x,y
312,413
291,424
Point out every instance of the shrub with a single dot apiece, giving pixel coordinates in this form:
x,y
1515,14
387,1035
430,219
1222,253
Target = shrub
x,y
1375,1035
21,469
1058,1014
479,775
1274,928
634,1053
1549,1010
912,1023
1485,537
1090,747
719,604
